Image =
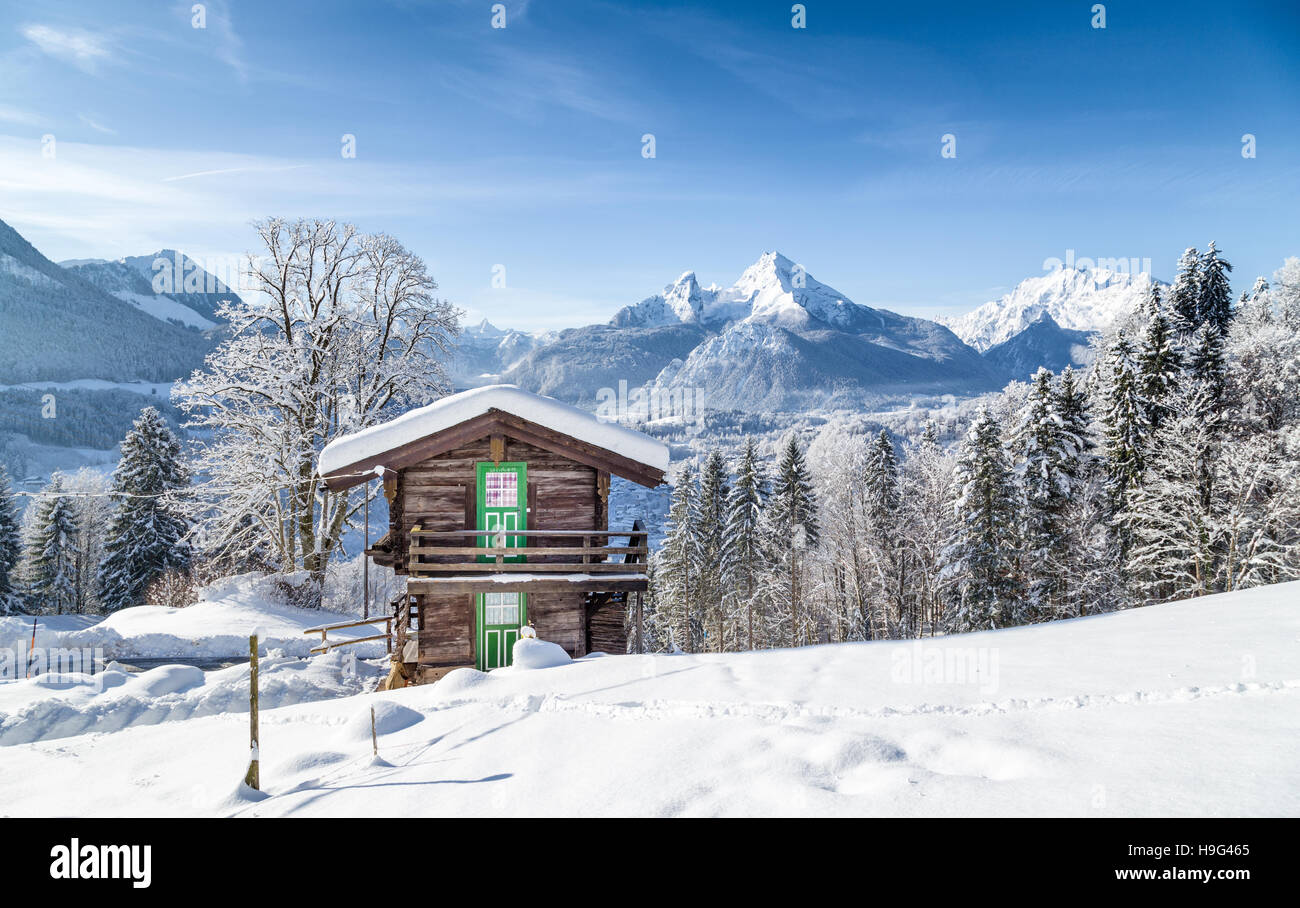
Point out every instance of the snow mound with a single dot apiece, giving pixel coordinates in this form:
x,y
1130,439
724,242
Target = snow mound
x,y
389,717
217,626
461,679
531,653
64,705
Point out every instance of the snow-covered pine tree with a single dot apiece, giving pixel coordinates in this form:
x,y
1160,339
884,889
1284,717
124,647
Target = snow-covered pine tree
x,y
1158,360
1207,366
146,536
983,560
656,623
1214,303
51,562
743,552
880,492
1046,454
1088,572
678,563
1185,294
11,546
1170,516
1123,419
1076,420
793,530
714,490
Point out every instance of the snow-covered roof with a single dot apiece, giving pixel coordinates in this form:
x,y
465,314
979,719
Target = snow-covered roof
x,y
457,408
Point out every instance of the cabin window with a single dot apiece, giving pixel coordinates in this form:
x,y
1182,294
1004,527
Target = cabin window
x,y
501,489
500,608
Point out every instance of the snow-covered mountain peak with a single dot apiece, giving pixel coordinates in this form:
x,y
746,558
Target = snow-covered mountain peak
x,y
484,329
1078,299
776,289
681,302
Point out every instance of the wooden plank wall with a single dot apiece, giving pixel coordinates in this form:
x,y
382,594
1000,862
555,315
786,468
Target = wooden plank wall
x,y
608,628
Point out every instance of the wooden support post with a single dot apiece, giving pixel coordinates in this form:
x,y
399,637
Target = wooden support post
x,y
253,778
374,738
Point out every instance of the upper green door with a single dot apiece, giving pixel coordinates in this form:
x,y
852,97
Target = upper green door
x,y
502,503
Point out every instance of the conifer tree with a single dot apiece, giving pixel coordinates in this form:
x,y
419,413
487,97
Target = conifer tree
x,y
794,527
1185,294
677,573
743,556
1214,304
1158,361
1171,520
51,562
714,490
1126,429
1076,422
881,492
1207,366
11,546
146,536
988,587
1046,453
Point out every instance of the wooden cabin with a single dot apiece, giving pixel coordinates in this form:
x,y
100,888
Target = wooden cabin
x,y
499,518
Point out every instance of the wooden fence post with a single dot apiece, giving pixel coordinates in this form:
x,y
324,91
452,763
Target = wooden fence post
x,y
374,738
253,778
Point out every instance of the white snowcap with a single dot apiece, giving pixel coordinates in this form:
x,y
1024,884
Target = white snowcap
x,y
457,408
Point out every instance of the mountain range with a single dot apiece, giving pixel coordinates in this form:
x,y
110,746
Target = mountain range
x,y
63,324
1074,299
775,339
778,339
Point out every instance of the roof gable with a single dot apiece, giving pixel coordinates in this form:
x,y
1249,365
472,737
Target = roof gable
x,y
455,420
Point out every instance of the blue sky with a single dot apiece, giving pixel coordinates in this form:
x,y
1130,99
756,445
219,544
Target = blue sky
x,y
522,146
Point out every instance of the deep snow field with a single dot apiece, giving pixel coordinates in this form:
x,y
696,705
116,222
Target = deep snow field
x,y
1189,708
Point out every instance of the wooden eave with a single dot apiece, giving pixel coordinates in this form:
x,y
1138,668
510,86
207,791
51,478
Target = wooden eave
x,y
484,425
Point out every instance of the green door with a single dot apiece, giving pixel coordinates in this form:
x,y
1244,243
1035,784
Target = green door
x,y
502,507
502,503
500,615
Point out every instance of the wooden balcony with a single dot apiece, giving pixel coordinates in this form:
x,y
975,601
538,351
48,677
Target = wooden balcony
x,y
555,560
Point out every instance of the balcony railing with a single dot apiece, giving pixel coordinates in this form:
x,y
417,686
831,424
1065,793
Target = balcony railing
x,y
561,552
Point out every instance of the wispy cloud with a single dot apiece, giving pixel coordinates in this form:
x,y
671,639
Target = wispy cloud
x,y
96,125
522,84
17,115
82,49
226,170
229,47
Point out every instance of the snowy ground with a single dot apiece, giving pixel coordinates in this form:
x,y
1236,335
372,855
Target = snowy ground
x,y
1184,709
